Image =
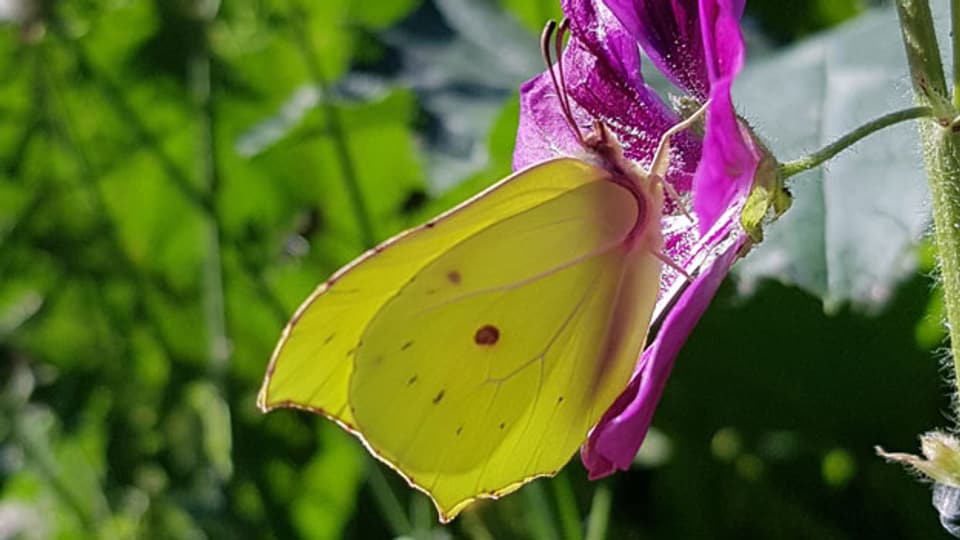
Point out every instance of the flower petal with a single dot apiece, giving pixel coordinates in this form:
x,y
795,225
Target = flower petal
x,y
669,32
543,132
601,34
730,157
603,81
723,45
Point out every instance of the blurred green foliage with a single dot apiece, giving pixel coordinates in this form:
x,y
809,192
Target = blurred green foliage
x,y
175,177
787,21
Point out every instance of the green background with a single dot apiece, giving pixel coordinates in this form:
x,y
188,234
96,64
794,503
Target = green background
x,y
175,177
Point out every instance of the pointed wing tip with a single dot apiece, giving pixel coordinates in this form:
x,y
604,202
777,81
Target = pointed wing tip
x,y
262,403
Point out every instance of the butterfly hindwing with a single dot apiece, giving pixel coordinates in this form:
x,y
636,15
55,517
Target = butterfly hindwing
x,y
475,352
489,366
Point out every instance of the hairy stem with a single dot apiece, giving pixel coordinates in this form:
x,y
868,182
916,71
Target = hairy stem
x,y
808,162
955,33
941,150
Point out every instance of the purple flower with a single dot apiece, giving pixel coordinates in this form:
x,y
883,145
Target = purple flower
x,y
698,46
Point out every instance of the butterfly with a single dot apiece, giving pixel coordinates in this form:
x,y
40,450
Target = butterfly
x,y
474,353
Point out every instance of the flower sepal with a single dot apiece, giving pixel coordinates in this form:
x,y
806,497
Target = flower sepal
x,y
769,197
940,461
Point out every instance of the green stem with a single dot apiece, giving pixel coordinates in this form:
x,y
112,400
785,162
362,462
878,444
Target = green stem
x,y
540,522
421,510
474,527
923,52
390,508
955,32
213,298
117,99
89,507
941,147
599,516
334,126
805,163
567,507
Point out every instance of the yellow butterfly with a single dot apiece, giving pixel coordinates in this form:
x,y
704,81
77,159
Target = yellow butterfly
x,y
474,353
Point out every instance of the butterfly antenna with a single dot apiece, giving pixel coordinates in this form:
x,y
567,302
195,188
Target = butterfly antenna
x,y
553,35
562,30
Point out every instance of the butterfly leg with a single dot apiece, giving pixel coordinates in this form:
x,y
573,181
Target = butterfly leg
x,y
673,264
673,195
661,159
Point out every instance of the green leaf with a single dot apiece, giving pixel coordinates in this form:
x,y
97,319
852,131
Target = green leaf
x,y
787,385
327,486
534,14
463,72
854,225
214,416
802,18
378,15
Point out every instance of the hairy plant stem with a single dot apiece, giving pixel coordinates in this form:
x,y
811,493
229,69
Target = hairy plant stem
x,y
817,158
955,33
941,150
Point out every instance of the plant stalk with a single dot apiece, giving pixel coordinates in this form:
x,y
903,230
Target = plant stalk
x,y
218,349
334,126
599,517
815,159
941,150
955,32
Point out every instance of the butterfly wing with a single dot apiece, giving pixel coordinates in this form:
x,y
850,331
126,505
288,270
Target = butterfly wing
x,y
489,367
473,354
312,363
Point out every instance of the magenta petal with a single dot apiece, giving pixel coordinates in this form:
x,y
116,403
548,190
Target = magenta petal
x,y
601,34
602,72
543,132
729,160
728,163
669,32
724,49
602,65
635,114
615,440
